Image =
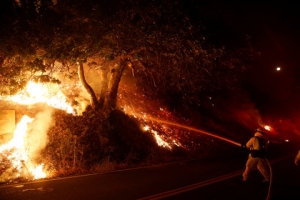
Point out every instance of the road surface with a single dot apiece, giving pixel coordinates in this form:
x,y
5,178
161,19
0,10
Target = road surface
x,y
216,177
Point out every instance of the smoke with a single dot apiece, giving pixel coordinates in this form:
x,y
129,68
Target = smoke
x,y
20,156
83,100
37,134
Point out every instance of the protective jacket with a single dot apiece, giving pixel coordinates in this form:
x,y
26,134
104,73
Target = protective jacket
x,y
257,146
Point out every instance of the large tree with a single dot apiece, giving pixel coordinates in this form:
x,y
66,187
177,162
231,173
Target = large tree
x,y
162,42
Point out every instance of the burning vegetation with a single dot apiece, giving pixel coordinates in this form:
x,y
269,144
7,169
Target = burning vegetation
x,y
55,141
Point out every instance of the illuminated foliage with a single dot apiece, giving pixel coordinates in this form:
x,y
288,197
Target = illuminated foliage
x,y
163,43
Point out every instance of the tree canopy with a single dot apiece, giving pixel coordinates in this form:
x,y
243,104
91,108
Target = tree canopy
x,y
162,42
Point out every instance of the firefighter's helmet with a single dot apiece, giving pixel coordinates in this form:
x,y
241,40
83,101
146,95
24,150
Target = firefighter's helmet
x,y
260,131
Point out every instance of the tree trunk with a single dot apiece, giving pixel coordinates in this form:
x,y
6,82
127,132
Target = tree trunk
x,y
89,89
116,75
104,87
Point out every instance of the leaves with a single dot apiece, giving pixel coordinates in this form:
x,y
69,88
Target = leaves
x,y
164,41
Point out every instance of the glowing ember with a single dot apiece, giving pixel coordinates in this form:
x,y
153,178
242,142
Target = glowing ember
x,y
150,127
48,93
20,163
173,141
160,141
168,133
164,131
146,128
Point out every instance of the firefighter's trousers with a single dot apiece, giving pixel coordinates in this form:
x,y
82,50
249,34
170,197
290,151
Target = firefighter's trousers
x,y
260,163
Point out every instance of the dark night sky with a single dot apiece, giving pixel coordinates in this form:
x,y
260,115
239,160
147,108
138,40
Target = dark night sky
x,y
275,31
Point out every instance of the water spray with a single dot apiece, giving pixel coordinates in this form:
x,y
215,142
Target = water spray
x,y
192,129
212,135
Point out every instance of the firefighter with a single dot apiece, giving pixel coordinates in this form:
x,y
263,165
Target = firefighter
x,y
297,158
257,156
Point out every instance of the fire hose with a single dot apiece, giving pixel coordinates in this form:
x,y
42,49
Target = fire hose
x,y
215,136
271,175
271,178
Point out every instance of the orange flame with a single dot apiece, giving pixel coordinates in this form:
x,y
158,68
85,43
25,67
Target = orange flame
x,y
158,138
48,93
163,143
18,150
17,153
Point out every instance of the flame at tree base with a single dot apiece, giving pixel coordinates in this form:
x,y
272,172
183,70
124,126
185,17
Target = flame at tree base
x,y
15,156
38,172
18,156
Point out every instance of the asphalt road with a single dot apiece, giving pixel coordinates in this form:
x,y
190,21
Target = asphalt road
x,y
214,178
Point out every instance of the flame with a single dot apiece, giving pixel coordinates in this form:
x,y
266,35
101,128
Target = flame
x,y
16,151
38,172
155,128
160,141
48,93
158,138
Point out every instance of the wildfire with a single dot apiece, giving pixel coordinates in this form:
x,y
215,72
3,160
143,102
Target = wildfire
x,y
48,93
166,133
17,157
38,172
20,163
154,128
158,138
